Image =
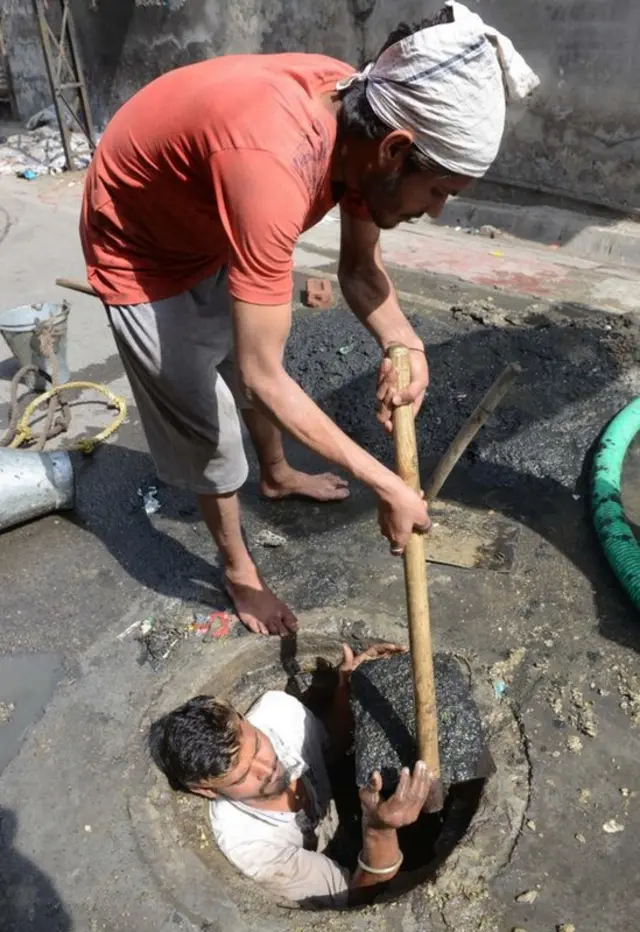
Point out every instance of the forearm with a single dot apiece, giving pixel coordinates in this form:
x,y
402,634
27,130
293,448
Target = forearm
x,y
370,294
292,410
380,850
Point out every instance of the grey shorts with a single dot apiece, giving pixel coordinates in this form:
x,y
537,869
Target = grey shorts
x,y
178,355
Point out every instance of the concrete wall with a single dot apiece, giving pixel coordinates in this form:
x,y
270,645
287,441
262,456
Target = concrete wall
x,y
579,138
127,43
24,58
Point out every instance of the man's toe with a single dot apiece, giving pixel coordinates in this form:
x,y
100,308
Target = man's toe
x,y
254,625
275,624
290,621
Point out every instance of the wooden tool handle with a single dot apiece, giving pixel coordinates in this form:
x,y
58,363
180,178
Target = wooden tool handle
x,y
469,430
415,577
76,285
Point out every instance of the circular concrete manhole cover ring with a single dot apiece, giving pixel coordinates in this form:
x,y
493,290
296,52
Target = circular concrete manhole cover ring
x,y
173,829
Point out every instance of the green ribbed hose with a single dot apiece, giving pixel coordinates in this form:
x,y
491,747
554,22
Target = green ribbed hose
x,y
615,534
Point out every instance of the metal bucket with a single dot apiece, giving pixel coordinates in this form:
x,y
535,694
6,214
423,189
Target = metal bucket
x,y
34,484
19,328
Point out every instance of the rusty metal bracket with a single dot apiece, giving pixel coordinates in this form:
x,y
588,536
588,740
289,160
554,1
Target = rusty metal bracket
x,y
68,86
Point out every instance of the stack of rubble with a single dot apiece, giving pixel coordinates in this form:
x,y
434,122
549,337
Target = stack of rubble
x,y
38,149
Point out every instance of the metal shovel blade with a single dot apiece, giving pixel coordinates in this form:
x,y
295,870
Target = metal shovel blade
x,y
470,538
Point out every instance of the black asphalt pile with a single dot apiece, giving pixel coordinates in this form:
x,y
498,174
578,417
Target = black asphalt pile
x,y
385,733
575,364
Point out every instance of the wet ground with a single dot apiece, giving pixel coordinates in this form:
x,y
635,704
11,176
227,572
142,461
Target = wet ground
x,y
556,631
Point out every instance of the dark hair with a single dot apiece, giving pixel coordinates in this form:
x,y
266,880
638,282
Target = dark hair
x,y
196,742
357,118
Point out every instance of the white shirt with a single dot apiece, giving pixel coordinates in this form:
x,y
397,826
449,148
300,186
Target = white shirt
x,y
282,850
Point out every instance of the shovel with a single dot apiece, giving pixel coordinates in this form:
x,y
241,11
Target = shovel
x,y
415,580
393,721
468,537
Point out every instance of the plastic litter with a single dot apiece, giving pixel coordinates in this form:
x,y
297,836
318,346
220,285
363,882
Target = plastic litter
x,y
41,151
219,625
150,501
28,174
159,636
157,640
201,624
499,688
211,627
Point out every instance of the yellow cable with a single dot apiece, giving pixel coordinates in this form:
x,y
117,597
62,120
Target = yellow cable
x,y
87,445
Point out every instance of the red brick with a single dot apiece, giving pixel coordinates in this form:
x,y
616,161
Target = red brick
x,y
318,293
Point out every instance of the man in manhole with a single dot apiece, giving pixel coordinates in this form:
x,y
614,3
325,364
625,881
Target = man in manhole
x,y
267,777
193,204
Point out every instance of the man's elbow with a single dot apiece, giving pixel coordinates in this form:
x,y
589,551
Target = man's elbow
x,y
257,381
249,384
353,278
352,271
363,283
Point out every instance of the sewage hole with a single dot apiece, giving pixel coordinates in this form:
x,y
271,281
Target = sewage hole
x,y
425,845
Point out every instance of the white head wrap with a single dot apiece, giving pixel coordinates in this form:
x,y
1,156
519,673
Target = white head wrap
x,y
448,84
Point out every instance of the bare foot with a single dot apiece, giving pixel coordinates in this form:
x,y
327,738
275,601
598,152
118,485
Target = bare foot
x,y
258,608
323,487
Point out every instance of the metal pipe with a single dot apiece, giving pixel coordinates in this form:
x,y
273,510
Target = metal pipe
x,y
33,485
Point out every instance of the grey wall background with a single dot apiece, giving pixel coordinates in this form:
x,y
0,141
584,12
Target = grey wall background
x,y
580,137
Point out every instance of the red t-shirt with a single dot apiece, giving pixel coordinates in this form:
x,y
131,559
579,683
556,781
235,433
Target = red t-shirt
x,y
224,162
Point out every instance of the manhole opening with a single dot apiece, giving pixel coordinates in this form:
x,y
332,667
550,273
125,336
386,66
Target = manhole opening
x,y
428,842
426,845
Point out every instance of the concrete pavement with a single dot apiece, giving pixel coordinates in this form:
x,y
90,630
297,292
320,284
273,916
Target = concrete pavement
x,y
552,272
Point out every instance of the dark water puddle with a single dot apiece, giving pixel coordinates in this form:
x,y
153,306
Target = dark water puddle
x,y
27,683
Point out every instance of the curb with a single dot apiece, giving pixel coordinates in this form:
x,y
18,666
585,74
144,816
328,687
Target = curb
x,y
615,240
